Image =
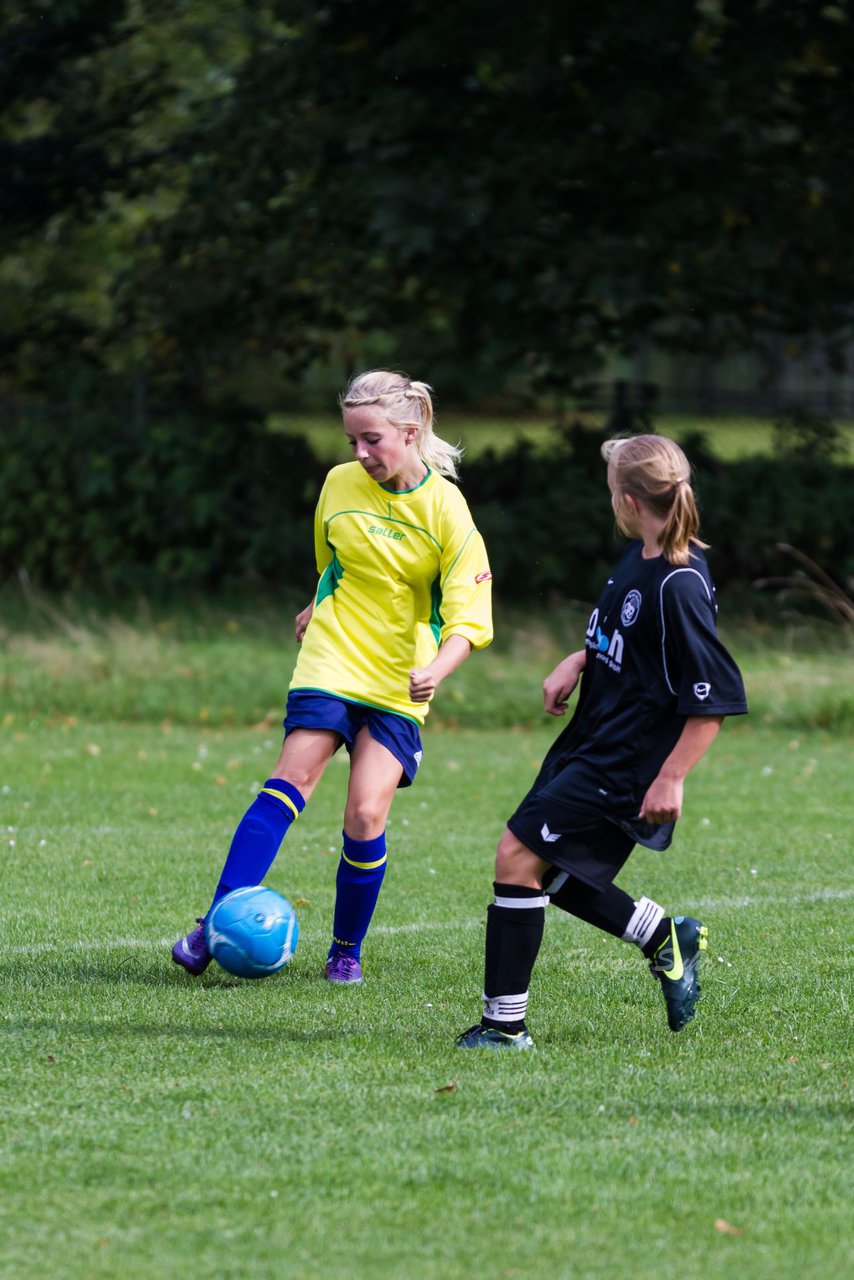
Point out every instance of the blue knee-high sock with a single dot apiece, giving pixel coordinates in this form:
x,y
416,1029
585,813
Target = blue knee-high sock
x,y
256,841
360,877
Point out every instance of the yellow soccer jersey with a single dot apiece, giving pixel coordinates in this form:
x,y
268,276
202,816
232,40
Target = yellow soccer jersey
x,y
399,573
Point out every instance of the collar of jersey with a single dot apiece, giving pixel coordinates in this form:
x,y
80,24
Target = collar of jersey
x,y
398,493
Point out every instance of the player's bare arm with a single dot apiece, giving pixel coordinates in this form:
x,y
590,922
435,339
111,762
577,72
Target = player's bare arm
x,y
302,620
560,684
424,681
663,800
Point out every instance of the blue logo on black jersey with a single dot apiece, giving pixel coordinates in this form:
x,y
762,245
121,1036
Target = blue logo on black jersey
x,y
609,647
612,647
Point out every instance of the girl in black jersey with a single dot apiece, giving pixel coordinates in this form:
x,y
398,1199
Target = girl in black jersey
x,y
656,683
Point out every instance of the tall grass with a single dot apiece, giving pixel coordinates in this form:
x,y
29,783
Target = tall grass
x,y
215,665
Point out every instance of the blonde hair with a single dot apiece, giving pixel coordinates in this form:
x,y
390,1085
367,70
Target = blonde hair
x,y
654,470
405,404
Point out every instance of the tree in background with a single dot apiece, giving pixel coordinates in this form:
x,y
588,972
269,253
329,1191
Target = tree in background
x,y
499,198
94,96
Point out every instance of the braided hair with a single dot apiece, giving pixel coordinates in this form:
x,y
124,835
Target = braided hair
x,y
405,404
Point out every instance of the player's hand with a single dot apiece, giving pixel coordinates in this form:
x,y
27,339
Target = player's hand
x,y
423,683
559,685
663,800
302,620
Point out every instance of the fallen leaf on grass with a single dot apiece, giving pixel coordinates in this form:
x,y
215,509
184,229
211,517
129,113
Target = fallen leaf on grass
x,y
446,1088
302,902
726,1228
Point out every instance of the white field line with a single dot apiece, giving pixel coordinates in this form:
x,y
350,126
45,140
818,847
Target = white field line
x,y
422,926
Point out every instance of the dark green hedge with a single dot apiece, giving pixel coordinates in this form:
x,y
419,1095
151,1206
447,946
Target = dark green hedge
x,y
550,529
212,505
751,506
177,503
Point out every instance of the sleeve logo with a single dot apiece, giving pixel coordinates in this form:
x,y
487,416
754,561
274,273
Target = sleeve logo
x,y
702,690
483,577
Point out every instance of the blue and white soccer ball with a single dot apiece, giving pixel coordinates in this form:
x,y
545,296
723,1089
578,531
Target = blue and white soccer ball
x,y
252,932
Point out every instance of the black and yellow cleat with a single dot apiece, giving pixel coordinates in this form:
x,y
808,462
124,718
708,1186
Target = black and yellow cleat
x,y
481,1037
676,966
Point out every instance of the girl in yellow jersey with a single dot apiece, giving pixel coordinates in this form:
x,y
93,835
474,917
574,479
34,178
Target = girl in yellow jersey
x,y
404,595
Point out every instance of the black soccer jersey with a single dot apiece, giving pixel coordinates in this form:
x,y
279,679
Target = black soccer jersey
x,y
653,660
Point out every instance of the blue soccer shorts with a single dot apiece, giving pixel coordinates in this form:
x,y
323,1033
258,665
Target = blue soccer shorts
x,y
308,710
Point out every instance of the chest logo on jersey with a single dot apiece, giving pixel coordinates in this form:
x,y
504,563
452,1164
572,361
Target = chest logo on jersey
x,y
631,608
380,531
608,648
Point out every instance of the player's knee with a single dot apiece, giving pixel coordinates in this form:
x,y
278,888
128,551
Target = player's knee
x,y
505,866
365,819
514,863
304,777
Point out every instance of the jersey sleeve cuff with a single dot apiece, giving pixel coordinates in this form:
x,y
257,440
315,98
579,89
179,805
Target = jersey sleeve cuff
x,y
478,637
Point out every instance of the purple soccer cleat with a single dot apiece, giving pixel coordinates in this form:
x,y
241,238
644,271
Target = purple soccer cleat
x,y
342,968
191,952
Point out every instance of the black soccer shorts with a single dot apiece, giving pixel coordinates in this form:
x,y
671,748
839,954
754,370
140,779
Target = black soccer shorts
x,y
575,823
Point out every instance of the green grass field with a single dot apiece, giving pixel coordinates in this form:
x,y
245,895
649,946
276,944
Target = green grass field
x,y
154,1125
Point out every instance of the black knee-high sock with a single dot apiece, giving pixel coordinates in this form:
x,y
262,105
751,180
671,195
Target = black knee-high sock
x,y
610,909
642,922
514,931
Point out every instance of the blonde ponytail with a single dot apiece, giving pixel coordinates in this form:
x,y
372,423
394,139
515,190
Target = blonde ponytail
x,y
655,470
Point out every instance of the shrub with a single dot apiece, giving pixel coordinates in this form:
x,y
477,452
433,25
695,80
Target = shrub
x,y
184,503
176,503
